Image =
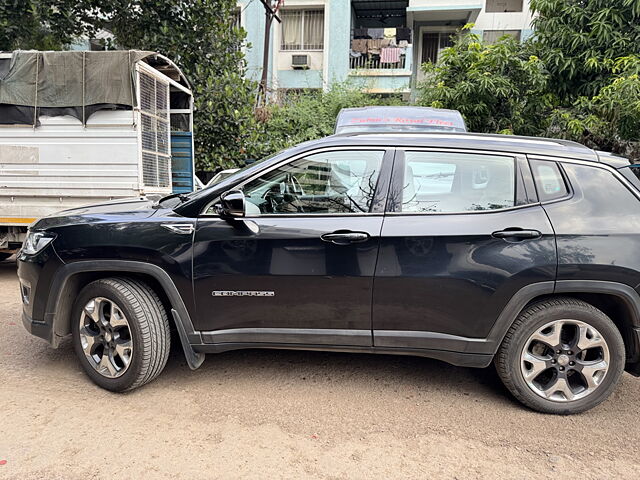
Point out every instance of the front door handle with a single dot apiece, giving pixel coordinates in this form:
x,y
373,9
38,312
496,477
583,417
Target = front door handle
x,y
345,237
516,233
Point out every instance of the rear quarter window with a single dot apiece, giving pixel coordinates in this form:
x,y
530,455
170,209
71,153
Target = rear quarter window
x,y
549,180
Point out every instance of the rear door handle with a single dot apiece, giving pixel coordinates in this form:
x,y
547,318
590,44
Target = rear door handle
x,y
345,237
516,233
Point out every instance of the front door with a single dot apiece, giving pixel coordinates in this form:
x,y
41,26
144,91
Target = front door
x,y
463,235
299,267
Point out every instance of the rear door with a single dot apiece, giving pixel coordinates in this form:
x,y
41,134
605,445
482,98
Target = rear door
x,y
464,232
299,267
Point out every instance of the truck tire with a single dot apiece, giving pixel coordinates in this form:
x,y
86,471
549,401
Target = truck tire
x,y
120,333
561,356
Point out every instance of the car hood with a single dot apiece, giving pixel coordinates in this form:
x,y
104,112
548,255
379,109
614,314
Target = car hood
x,y
130,209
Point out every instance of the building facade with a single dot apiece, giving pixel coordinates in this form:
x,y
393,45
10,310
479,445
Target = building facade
x,y
378,45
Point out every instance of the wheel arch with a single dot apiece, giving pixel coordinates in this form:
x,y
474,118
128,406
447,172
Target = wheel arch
x,y
618,301
71,278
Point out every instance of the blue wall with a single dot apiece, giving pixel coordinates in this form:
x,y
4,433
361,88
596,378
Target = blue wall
x,y
338,15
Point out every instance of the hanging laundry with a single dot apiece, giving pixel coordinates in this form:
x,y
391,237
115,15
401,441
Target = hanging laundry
x,y
389,33
376,33
359,45
403,34
374,46
360,33
390,55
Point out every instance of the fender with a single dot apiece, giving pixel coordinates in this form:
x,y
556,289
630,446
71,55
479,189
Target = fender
x,y
184,325
626,293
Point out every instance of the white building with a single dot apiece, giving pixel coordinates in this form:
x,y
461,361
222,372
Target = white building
x,y
324,41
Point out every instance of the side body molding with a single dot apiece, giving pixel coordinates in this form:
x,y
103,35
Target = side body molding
x,y
188,335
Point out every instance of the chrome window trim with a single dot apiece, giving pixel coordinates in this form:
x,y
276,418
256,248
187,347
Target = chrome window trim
x,y
470,212
285,161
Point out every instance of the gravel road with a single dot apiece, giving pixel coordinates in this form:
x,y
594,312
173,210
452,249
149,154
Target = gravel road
x,y
279,414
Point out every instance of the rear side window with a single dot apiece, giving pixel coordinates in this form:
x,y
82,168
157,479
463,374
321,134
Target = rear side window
x,y
549,180
441,182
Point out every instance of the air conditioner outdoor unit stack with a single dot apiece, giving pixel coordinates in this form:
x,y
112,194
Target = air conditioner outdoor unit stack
x,y
299,62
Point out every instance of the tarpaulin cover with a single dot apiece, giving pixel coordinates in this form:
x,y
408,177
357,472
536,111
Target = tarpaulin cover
x,y
70,79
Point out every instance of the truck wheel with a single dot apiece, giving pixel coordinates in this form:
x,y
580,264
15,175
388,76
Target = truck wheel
x,y
120,333
561,356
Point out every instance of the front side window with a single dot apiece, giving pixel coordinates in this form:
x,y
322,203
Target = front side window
x,y
321,183
302,30
437,182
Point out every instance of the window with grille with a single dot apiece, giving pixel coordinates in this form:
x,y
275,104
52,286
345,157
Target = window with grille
x,y
155,131
492,36
302,30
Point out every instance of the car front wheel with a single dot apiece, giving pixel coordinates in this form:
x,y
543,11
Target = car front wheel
x,y
561,356
120,333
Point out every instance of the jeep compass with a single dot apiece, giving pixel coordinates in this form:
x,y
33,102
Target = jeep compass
x,y
471,249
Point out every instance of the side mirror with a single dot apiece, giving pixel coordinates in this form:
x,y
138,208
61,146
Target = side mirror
x,y
232,204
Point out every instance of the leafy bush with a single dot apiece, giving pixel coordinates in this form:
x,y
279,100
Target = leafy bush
x,y
310,115
497,88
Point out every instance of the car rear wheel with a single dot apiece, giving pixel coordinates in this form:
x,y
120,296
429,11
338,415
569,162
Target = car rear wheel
x,y
561,356
120,333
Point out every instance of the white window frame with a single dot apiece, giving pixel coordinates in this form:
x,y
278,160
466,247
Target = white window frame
x,y
303,12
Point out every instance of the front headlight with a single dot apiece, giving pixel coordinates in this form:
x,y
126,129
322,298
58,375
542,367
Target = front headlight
x,y
36,241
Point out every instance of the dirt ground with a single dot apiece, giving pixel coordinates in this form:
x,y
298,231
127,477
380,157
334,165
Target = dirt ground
x,y
279,414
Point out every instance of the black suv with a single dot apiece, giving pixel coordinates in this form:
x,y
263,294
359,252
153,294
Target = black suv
x,y
466,248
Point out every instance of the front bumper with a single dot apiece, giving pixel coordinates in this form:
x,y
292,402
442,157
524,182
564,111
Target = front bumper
x,y
35,273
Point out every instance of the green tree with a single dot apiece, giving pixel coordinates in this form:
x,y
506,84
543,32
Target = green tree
x,y
579,40
497,88
610,120
201,37
41,24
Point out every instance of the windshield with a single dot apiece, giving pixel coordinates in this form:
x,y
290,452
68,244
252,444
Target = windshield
x,y
227,176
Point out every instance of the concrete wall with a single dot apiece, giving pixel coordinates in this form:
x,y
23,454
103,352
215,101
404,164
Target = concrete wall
x,y
506,20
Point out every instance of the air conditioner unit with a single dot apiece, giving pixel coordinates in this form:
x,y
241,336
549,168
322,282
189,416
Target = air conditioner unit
x,y
299,62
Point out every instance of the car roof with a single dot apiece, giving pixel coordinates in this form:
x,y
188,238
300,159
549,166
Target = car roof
x,y
467,141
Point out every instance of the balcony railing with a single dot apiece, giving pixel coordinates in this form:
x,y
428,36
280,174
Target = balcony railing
x,y
363,62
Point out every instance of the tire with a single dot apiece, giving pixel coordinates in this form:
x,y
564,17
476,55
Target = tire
x,y
573,381
125,319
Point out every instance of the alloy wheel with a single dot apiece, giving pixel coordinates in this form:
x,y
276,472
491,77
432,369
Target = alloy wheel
x,y
565,360
105,337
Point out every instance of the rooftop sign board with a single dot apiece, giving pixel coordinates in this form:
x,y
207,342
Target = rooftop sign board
x,y
399,119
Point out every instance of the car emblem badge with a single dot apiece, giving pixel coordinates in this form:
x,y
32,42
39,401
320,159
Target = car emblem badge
x,y
243,293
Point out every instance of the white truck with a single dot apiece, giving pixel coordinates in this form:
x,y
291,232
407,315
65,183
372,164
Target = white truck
x,y
78,128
